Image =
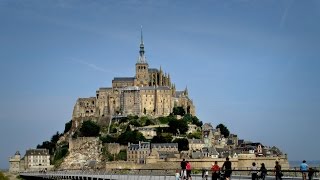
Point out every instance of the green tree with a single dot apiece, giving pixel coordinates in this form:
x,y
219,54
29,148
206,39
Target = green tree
x,y
149,122
122,155
224,130
67,126
176,126
195,135
61,152
108,139
196,121
131,136
47,145
162,139
178,111
55,138
163,120
183,144
89,129
136,123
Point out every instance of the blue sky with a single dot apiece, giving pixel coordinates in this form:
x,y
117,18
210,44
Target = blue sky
x,y
252,65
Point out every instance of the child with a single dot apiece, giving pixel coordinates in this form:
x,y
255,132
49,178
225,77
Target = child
x,y
177,175
206,174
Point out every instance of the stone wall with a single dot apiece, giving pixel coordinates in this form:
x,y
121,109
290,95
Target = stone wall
x,y
174,163
112,148
82,151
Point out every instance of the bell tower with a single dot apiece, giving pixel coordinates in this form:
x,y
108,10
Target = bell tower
x,y
142,74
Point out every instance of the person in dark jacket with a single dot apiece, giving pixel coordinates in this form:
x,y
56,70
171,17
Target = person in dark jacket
x,y
183,165
227,169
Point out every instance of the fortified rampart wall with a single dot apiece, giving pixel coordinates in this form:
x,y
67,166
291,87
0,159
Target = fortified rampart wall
x,y
174,163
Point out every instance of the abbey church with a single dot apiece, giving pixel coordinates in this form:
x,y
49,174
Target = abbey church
x,y
149,93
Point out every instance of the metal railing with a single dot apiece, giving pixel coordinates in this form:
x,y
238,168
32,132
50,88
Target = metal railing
x,y
154,174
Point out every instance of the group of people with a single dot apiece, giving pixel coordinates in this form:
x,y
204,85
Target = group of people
x,y
258,173
305,169
224,173
185,172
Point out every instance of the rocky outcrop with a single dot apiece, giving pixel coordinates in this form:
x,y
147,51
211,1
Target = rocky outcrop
x,y
84,152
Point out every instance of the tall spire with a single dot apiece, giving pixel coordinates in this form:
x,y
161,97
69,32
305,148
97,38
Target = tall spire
x,y
142,58
141,37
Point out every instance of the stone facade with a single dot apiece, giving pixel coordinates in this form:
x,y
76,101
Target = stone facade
x,y
83,152
15,162
37,158
138,153
150,92
34,160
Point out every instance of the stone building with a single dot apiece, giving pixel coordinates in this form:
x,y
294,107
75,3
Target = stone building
x,y
37,159
34,160
196,144
149,92
138,153
14,162
168,147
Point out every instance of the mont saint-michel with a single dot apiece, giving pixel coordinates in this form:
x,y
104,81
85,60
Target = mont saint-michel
x,y
142,122
150,92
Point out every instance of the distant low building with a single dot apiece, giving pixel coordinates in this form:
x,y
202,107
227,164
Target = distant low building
x,y
37,158
138,153
167,147
196,144
34,160
15,162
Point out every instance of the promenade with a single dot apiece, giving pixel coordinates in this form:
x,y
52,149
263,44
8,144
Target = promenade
x,y
134,175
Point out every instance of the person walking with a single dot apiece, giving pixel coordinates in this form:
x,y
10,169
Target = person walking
x,y
215,170
227,169
278,172
188,167
254,171
177,174
263,171
310,173
183,165
304,168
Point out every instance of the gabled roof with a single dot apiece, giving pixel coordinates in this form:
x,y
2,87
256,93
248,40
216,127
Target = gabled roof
x,y
164,145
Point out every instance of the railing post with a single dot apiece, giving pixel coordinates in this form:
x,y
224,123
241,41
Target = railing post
x,y
165,175
150,174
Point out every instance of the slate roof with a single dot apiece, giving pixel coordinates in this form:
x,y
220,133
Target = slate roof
x,y
41,152
123,79
153,70
105,88
210,150
142,145
179,93
164,145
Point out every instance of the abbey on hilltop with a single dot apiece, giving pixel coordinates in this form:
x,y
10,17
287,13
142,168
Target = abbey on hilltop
x,y
150,92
